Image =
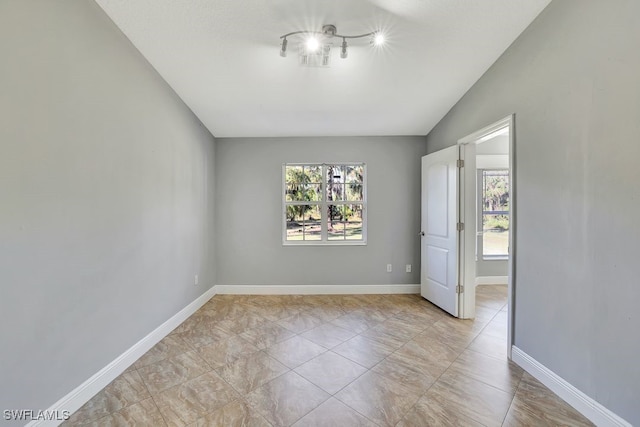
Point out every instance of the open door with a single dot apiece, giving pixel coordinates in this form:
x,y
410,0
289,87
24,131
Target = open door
x,y
439,246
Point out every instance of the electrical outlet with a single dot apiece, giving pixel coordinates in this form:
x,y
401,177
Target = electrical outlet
x,y
408,268
195,280
389,268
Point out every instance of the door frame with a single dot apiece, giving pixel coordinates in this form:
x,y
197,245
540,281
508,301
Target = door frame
x,y
468,212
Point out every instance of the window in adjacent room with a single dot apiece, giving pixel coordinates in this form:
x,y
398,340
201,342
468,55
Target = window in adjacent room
x,y
494,211
324,203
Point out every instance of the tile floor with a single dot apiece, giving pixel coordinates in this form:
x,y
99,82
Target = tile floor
x,y
350,360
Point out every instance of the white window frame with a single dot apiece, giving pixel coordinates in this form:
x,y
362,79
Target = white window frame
x,y
324,241
480,255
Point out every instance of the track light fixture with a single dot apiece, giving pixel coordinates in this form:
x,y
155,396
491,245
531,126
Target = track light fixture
x,y
316,45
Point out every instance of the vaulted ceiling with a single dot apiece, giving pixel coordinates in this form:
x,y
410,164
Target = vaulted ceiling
x,y
222,58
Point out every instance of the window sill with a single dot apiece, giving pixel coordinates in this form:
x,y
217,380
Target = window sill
x,y
359,243
496,258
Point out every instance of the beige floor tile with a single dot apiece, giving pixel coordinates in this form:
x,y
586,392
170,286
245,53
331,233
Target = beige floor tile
x,y
275,312
421,305
144,413
500,373
392,332
286,399
418,319
319,300
328,335
371,314
484,314
172,371
333,413
489,301
330,371
436,413
380,399
326,313
300,322
412,372
201,318
295,351
482,402
501,317
235,414
204,335
301,302
414,351
447,335
355,322
267,335
265,300
122,392
252,371
450,326
187,402
242,323
131,368
490,345
534,404
224,352
496,329
439,353
362,350
221,310
169,346
349,302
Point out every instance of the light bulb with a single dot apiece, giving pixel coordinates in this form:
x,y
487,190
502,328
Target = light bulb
x,y
312,44
283,50
378,39
343,51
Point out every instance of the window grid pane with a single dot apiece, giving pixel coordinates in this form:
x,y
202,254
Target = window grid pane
x,y
495,213
305,206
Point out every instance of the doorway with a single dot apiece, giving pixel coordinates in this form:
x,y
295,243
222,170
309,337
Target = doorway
x,y
487,197
453,221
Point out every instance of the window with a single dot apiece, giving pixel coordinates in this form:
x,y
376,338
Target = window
x,y
324,204
494,210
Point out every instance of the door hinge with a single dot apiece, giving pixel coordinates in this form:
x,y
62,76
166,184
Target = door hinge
x,y
460,163
459,289
460,226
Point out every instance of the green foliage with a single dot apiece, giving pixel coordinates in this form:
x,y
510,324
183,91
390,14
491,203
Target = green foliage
x,y
495,191
303,184
495,222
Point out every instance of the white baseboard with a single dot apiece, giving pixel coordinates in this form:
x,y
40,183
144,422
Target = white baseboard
x,y
594,411
316,289
85,391
492,280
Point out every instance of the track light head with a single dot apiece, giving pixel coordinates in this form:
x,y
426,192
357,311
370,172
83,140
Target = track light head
x,y
313,44
343,50
378,39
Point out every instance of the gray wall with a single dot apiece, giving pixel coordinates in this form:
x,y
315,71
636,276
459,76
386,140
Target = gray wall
x,y
106,186
249,209
572,79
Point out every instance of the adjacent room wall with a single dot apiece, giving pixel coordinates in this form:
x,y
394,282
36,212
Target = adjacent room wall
x,y
249,209
106,210
572,80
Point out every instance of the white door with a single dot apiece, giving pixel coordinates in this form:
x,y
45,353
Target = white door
x,y
439,247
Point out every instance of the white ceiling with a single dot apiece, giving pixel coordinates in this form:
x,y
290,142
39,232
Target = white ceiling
x,y
222,58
